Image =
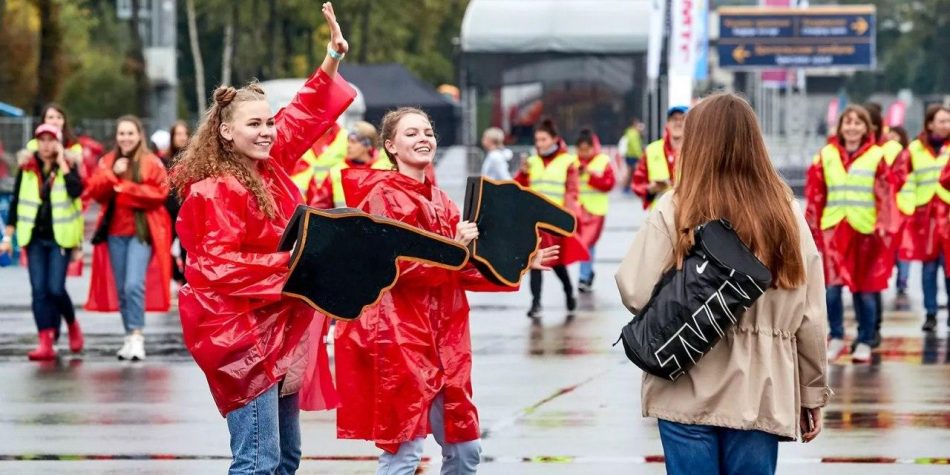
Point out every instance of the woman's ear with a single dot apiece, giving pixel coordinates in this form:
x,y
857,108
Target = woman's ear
x,y
225,130
389,151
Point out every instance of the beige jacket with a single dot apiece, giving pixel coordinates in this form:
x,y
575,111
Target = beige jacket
x,y
764,370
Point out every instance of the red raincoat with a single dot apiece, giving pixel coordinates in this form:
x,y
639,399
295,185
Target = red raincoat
x,y
572,249
393,361
590,226
863,262
239,328
928,233
640,182
149,195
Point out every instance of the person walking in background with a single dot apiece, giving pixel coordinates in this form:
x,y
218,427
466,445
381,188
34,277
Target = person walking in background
x,y
851,196
131,187
596,179
552,172
46,217
497,157
930,228
657,172
55,115
361,152
631,145
907,203
766,380
179,135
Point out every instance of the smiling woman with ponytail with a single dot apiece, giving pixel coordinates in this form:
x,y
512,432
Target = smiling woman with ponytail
x,y
252,344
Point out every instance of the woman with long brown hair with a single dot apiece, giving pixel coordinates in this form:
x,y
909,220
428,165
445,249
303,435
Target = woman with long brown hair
x,y
852,211
765,380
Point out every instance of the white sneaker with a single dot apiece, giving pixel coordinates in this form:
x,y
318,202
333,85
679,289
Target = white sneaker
x,y
123,352
836,348
862,354
137,347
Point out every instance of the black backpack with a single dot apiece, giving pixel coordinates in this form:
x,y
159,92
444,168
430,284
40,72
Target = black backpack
x,y
692,308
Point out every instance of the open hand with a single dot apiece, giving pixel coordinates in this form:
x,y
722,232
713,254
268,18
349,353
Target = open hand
x,y
466,232
544,257
337,42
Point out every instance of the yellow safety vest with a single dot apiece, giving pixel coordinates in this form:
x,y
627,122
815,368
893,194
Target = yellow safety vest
x,y
551,180
320,166
658,168
67,212
926,173
336,177
634,142
907,196
34,145
850,192
592,199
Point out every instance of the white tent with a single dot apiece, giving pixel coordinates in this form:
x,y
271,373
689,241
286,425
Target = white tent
x,y
556,26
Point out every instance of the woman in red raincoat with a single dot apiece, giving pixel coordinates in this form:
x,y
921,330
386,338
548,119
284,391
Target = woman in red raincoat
x,y
852,213
404,367
595,181
131,261
253,344
553,173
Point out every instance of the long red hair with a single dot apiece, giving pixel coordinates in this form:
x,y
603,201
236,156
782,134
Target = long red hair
x,y
724,171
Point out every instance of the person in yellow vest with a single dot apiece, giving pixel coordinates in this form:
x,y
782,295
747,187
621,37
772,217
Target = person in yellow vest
x,y
54,114
360,153
315,164
852,212
553,172
595,179
655,174
46,218
631,144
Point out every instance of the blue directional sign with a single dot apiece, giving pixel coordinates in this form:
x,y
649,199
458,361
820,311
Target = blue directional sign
x,y
816,37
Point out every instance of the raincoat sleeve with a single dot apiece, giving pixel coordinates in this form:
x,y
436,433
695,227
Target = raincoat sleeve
x,y
310,113
572,189
944,175
212,221
812,358
381,202
889,217
816,195
522,178
101,185
640,183
605,182
646,261
151,193
473,280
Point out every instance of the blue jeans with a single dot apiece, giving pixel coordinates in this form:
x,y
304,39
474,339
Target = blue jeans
x,y
865,310
903,273
692,449
587,267
265,435
47,266
457,459
929,279
129,258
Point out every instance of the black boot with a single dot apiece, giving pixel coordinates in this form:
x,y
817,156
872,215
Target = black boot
x,y
535,310
931,323
571,304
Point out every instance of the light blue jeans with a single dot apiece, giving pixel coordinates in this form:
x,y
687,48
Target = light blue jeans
x,y
129,258
587,267
265,435
457,459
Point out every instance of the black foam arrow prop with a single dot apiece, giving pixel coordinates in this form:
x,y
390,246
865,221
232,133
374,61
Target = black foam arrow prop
x,y
509,217
344,259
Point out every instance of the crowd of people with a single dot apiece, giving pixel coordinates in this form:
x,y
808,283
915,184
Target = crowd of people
x,y
873,203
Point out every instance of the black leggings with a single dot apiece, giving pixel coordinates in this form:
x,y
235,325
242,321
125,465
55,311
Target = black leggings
x,y
537,278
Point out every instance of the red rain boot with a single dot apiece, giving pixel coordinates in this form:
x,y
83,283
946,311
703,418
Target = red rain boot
x,y
76,340
44,350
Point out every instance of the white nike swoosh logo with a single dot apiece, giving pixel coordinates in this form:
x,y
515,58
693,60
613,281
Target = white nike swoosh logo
x,y
702,267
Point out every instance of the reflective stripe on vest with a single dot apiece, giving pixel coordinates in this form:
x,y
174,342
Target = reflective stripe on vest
x,y
658,168
926,174
551,180
336,177
66,211
850,192
592,199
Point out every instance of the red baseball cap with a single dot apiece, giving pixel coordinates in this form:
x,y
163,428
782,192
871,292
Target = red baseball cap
x,y
48,129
